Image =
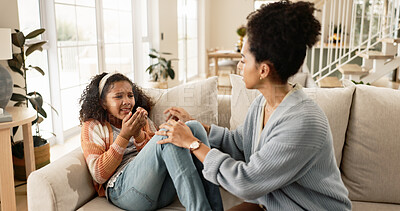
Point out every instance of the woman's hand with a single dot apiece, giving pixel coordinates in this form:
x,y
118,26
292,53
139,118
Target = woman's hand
x,y
177,113
178,134
133,124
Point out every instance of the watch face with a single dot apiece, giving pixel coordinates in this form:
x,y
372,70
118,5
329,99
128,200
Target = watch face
x,y
194,145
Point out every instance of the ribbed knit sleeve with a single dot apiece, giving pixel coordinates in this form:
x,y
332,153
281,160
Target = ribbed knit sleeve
x,y
102,155
228,141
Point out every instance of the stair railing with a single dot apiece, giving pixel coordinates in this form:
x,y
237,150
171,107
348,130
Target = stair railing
x,y
341,19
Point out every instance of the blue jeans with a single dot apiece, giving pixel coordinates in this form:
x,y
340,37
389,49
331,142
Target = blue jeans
x,y
150,180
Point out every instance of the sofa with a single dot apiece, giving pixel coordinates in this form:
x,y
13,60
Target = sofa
x,y
364,121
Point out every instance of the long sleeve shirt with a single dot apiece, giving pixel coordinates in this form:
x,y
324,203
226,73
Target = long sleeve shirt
x,y
291,168
103,153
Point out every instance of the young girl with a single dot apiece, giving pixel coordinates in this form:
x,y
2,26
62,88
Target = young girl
x,y
126,164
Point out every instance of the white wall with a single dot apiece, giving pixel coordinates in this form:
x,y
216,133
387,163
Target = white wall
x,y
168,22
223,18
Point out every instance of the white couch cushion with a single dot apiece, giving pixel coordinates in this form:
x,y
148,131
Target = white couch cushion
x,y
334,102
371,155
198,98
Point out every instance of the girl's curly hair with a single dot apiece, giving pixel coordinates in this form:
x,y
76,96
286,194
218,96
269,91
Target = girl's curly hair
x,y
90,99
280,33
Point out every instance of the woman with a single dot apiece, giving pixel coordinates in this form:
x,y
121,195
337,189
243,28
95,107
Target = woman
x,y
126,164
282,157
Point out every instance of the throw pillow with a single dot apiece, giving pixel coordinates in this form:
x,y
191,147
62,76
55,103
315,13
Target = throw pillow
x,y
335,103
371,167
198,98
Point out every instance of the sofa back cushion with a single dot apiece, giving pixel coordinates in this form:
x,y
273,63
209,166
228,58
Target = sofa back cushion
x,y
334,102
371,155
198,98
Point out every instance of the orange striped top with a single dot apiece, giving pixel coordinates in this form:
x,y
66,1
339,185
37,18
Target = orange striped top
x,y
102,154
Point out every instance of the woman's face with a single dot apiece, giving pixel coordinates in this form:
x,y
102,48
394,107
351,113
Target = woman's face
x,y
248,68
119,100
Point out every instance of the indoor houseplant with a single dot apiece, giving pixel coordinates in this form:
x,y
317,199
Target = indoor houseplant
x,y
18,65
241,32
160,70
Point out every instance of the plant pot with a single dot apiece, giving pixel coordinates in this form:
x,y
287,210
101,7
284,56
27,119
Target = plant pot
x,y
42,158
158,84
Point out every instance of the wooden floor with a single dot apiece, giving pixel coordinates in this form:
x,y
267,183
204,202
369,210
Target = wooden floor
x,y
386,82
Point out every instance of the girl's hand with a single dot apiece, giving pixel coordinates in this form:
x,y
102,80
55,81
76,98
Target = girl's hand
x,y
178,134
133,124
177,113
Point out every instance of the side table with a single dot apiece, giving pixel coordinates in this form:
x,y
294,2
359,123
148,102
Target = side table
x,y
21,117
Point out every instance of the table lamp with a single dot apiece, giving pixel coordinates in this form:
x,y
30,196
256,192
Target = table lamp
x,y
6,83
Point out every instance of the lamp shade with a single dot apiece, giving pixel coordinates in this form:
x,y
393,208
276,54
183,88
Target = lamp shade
x,y
5,44
6,83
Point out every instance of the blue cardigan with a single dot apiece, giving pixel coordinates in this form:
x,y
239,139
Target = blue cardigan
x,y
292,168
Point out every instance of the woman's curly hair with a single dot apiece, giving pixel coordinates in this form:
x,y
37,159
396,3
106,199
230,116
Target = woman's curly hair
x,y
90,99
280,33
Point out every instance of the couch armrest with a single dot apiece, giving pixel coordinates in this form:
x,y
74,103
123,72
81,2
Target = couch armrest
x,y
65,184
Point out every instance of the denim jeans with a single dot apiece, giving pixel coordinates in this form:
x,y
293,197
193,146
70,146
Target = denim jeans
x,y
150,180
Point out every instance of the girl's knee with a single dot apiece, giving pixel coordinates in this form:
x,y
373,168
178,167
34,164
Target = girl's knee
x,y
193,124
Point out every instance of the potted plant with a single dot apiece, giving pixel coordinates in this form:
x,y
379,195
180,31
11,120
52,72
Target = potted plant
x,y
18,65
241,32
161,70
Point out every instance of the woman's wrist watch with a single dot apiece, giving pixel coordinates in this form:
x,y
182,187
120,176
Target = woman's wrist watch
x,y
194,145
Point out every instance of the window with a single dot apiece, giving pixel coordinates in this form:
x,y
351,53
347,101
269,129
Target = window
x,y
88,37
29,20
188,39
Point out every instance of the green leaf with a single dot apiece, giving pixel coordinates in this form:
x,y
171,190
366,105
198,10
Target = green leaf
x,y
156,77
18,104
169,64
16,61
36,99
42,112
165,53
37,120
17,97
34,47
18,39
18,58
35,33
171,73
152,56
17,70
150,68
38,69
55,110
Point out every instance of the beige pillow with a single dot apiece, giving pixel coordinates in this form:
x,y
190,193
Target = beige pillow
x,y
371,155
334,102
198,98
300,78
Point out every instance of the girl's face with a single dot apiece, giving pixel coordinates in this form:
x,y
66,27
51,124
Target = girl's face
x,y
119,100
248,68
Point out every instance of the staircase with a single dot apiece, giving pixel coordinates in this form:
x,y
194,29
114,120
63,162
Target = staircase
x,y
359,40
